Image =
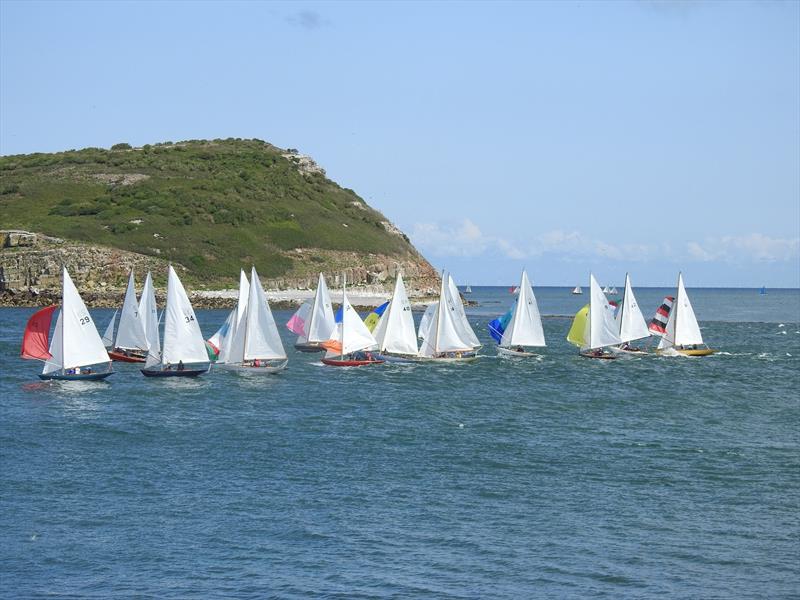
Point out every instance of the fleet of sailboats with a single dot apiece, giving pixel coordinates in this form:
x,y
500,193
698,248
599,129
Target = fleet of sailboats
x,y
249,340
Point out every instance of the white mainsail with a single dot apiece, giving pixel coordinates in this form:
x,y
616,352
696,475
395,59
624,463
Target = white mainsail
x,y
183,341
525,328
395,333
459,316
322,324
148,313
602,328
682,328
632,325
75,342
262,340
130,332
577,290
441,334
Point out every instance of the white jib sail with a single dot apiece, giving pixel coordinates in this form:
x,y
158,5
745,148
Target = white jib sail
x,y
148,313
425,321
459,316
602,326
232,349
262,340
322,324
130,332
218,338
395,333
632,325
525,328
80,343
183,340
108,335
56,360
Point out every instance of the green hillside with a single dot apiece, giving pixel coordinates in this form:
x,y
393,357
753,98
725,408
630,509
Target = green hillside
x,y
213,206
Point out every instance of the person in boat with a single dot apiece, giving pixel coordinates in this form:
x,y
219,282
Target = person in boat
x,y
256,363
180,366
519,349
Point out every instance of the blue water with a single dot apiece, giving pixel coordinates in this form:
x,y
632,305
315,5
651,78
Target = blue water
x,y
561,477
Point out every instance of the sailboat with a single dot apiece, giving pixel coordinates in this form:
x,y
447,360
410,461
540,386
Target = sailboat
x,y
594,328
630,320
184,352
352,339
522,327
442,331
613,290
235,321
76,351
148,313
255,345
456,306
763,290
606,290
682,333
577,291
468,290
130,342
319,324
395,333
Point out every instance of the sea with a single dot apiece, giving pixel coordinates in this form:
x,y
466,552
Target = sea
x,y
557,477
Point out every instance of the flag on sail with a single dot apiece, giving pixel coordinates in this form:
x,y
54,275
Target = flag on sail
x,y
371,320
35,343
498,326
658,324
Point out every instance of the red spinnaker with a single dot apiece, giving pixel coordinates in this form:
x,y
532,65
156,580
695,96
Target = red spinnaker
x,y
35,343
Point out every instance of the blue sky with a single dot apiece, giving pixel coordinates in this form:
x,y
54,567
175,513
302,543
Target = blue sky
x,y
564,137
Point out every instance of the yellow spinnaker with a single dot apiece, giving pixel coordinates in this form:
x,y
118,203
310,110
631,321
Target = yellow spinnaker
x,y
578,330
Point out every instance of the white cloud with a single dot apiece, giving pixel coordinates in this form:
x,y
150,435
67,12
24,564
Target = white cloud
x,y
464,238
754,247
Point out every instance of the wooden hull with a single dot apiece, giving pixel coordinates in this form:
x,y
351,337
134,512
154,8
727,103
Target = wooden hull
x,y
630,351
174,372
122,357
501,351
698,352
391,358
335,362
309,348
81,377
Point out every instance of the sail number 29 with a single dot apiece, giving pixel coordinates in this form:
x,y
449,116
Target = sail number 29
x,y
85,320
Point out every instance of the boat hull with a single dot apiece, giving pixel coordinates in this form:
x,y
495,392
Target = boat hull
x,y
603,356
447,359
81,377
260,370
309,348
174,372
335,362
397,359
122,357
631,351
501,351
697,352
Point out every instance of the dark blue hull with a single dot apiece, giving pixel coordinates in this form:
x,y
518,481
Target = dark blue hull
x,y
81,377
174,373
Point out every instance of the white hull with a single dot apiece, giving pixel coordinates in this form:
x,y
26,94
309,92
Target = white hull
x,y
272,367
501,351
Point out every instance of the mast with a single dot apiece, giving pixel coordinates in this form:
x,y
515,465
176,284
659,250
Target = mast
x,y
344,298
624,302
63,281
439,316
675,308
